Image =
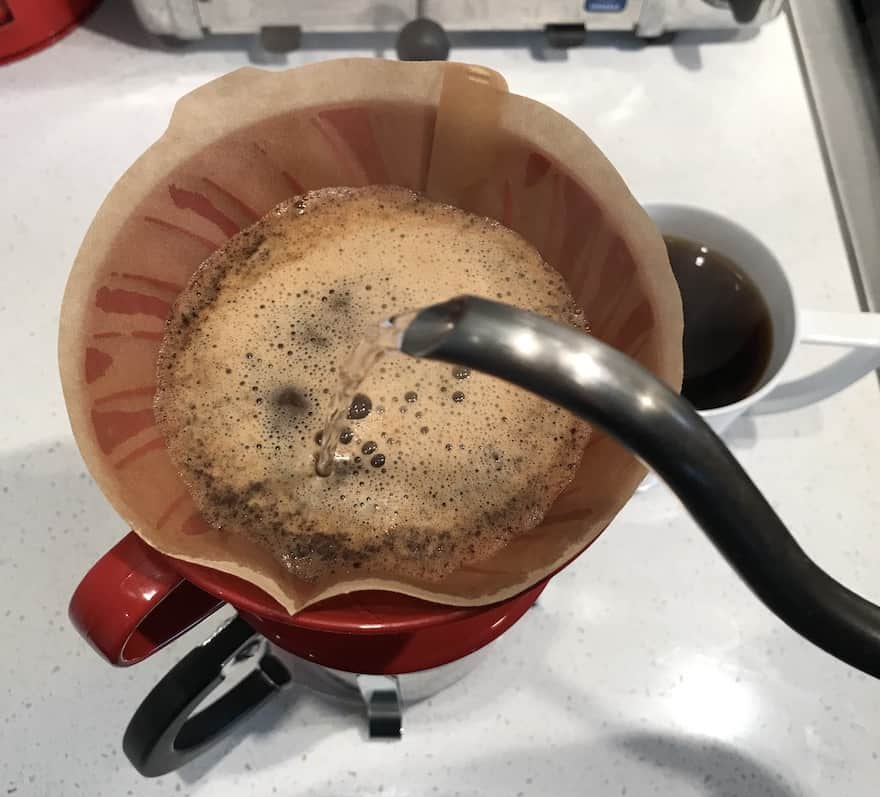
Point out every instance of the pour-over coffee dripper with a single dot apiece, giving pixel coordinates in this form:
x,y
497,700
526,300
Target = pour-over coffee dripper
x,y
449,131
234,149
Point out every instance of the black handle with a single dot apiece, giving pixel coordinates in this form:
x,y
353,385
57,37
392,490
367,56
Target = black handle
x,y
162,735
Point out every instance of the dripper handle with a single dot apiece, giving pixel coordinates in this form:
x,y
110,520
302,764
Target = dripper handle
x,y
132,603
607,388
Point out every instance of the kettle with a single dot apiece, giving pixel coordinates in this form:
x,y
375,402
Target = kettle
x,y
605,387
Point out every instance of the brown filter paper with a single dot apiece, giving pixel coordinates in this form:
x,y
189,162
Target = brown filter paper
x,y
243,143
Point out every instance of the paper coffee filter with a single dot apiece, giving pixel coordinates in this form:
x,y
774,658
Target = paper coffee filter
x,y
243,143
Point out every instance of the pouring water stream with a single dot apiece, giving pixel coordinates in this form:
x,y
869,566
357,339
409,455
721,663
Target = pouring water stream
x,y
386,336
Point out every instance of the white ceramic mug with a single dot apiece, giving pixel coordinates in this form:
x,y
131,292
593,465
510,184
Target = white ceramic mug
x,y
857,335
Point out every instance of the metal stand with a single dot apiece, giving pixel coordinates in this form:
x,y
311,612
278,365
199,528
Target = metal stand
x,y
381,696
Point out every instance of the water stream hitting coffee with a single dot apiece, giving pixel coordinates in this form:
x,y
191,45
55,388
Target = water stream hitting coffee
x,y
384,337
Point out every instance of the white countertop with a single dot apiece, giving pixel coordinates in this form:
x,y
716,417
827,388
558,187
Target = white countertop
x,y
647,668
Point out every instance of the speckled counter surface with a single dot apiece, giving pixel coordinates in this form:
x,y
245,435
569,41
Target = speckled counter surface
x,y
647,668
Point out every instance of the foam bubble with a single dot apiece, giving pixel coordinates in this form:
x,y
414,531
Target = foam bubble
x,y
248,367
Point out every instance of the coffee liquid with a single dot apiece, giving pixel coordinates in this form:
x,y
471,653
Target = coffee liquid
x,y
728,334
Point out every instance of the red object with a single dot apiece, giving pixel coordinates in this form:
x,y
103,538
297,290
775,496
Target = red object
x,y
30,25
135,600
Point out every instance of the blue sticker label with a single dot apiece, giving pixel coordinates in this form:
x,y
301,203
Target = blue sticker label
x,y
604,5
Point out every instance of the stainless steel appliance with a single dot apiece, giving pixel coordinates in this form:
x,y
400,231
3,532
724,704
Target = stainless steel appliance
x,y
839,47
189,19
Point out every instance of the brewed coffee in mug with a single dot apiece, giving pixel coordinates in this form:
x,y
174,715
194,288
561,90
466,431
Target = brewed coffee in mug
x,y
741,323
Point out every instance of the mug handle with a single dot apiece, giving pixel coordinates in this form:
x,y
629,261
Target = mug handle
x,y
170,728
132,603
859,333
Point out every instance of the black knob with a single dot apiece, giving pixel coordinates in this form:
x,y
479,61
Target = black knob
x,y
422,40
745,11
563,37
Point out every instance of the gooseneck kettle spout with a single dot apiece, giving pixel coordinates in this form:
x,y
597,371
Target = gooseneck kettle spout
x,y
607,388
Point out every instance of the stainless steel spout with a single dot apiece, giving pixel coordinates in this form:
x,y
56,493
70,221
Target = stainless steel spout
x,y
612,391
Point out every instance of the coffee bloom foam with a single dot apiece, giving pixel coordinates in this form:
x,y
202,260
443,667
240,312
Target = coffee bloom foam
x,y
438,467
